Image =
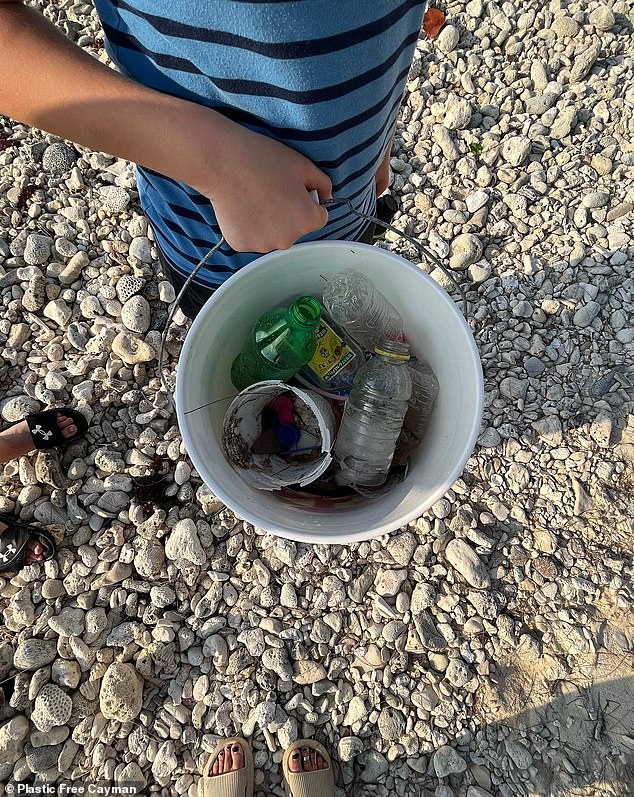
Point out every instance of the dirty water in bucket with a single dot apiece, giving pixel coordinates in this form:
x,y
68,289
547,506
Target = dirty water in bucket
x,y
438,334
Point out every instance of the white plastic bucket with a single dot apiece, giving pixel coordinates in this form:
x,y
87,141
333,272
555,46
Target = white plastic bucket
x,y
436,331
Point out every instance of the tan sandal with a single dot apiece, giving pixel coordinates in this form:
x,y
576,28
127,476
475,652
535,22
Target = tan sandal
x,y
319,783
232,784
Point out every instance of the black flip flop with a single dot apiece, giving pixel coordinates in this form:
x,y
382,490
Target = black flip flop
x,y
45,431
13,541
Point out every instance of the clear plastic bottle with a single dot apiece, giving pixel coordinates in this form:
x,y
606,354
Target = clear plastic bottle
x,y
281,341
355,304
373,416
424,392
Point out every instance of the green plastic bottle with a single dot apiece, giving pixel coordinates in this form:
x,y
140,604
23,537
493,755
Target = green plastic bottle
x,y
281,341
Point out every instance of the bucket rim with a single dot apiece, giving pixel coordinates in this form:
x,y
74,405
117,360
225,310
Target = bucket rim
x,y
314,537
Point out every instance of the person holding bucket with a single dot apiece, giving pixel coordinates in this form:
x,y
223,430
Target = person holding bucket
x,y
234,110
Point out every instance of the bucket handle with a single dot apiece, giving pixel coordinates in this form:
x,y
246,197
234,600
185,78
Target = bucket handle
x,y
429,255
327,203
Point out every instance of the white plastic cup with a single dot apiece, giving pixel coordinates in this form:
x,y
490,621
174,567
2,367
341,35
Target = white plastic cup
x,y
242,427
437,333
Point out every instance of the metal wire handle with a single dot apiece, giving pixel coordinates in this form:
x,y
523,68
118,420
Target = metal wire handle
x,y
327,203
427,252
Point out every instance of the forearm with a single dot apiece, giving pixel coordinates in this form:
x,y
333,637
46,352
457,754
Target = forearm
x,y
50,83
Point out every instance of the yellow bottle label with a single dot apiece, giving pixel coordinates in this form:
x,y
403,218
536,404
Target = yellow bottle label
x,y
332,354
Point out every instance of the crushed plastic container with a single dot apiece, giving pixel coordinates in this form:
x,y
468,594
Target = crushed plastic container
x,y
242,427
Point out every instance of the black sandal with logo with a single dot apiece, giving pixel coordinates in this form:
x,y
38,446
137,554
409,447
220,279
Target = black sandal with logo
x,y
13,542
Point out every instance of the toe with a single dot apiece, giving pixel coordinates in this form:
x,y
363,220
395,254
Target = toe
x,y
295,761
63,421
228,759
305,759
321,764
237,756
69,431
34,551
215,770
313,759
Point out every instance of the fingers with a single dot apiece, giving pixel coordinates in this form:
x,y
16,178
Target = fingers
x,y
321,216
320,182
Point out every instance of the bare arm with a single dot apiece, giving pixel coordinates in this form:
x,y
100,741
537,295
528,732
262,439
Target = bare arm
x,y
50,83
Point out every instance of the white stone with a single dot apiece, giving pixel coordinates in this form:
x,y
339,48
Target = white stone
x,y
136,314
516,149
167,293
602,18
13,734
37,249
466,561
465,250
457,113
59,312
73,269
132,350
52,708
448,39
476,200
586,314
183,543
518,753
447,761
121,693
564,123
141,248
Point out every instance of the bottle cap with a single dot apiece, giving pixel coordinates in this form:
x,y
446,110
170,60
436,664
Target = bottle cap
x,y
288,434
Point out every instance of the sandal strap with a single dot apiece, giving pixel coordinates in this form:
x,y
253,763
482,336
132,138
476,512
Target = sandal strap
x,y
44,429
47,434
231,784
319,783
13,542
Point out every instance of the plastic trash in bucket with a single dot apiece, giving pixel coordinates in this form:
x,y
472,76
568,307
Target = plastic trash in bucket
x,y
242,427
437,333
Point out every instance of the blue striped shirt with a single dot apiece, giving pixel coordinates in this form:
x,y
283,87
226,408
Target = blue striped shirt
x,y
324,77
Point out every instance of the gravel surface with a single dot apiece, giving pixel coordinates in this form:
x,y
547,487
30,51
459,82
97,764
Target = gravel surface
x,y
484,650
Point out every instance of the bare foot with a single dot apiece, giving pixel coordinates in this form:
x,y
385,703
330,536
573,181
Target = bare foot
x,y
34,549
306,759
16,441
229,759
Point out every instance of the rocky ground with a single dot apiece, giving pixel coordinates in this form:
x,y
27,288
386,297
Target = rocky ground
x,y
484,650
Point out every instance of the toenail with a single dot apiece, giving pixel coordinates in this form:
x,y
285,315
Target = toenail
x,y
236,749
